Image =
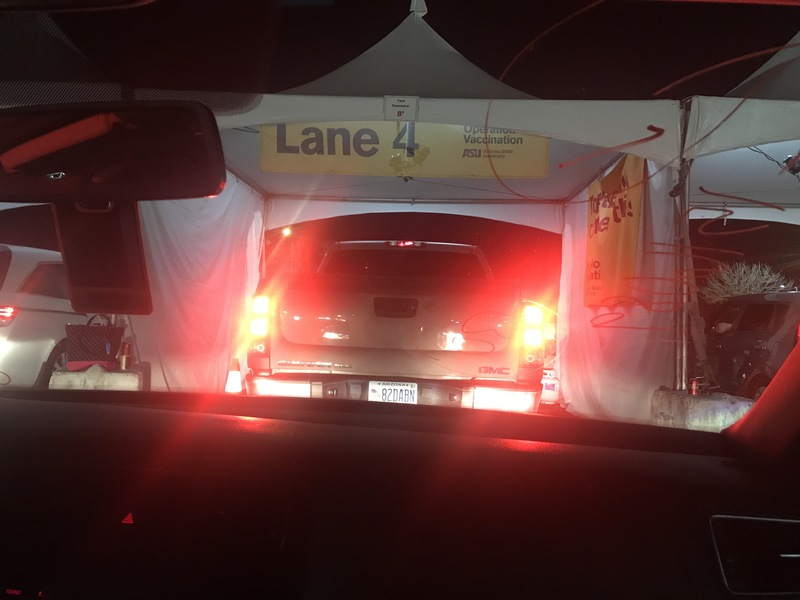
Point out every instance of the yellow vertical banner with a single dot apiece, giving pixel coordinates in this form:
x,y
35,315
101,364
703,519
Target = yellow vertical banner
x,y
615,212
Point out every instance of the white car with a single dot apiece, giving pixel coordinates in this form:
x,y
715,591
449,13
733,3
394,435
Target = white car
x,y
34,308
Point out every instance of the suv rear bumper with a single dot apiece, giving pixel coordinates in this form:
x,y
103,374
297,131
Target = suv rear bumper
x,y
491,395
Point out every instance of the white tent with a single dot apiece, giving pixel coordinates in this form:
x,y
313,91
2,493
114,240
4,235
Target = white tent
x,y
199,292
414,61
737,145
585,138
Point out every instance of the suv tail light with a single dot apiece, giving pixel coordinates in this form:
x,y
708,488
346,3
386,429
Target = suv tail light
x,y
537,334
538,326
259,322
532,319
258,354
7,314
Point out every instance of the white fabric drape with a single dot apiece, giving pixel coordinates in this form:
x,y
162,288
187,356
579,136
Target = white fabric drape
x,y
202,261
612,359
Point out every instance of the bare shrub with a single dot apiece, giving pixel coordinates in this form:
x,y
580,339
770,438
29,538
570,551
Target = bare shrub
x,y
740,278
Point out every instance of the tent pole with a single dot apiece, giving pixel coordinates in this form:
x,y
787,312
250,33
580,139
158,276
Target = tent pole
x,y
682,254
682,248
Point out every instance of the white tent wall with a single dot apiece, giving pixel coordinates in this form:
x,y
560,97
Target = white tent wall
x,y
200,292
612,359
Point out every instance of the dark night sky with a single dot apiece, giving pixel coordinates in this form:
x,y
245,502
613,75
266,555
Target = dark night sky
x,y
775,244
615,49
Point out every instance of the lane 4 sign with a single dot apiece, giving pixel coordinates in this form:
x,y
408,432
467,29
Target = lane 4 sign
x,y
402,148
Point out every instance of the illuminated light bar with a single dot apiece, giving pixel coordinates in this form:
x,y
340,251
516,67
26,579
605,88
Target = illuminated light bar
x,y
404,244
487,398
58,139
277,387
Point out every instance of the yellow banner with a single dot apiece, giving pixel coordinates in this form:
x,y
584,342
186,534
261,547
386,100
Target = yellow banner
x,y
615,211
406,149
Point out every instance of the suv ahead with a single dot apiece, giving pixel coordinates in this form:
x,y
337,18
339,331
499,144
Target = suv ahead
x,y
749,338
34,308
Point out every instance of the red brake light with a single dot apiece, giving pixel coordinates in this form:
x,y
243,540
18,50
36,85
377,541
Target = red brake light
x,y
259,324
533,338
532,320
404,244
533,315
537,330
7,314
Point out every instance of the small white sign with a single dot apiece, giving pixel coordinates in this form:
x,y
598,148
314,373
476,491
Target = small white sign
x,y
400,108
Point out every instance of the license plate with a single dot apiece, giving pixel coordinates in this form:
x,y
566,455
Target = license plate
x,y
398,392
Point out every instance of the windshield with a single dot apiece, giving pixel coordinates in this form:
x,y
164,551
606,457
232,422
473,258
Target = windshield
x,y
535,209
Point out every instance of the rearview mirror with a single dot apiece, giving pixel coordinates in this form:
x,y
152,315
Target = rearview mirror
x,y
109,152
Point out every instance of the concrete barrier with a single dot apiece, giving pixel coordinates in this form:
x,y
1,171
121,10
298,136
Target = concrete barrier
x,y
705,412
97,378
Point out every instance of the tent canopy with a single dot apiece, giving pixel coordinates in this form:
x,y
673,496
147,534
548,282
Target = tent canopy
x,y
414,61
777,79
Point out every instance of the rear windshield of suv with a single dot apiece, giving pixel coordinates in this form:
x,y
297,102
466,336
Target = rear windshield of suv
x,y
405,263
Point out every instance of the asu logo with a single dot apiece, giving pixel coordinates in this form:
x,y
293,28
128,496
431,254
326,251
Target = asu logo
x,y
471,153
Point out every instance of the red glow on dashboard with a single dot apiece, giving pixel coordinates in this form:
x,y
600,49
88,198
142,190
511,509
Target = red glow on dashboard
x,y
527,446
128,520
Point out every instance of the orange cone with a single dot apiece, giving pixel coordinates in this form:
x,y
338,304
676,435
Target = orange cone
x,y
234,383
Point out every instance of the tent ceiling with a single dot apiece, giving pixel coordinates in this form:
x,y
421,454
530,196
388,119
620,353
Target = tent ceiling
x,y
747,181
413,60
777,79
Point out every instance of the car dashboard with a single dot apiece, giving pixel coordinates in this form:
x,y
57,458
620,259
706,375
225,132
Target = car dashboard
x,y
206,496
